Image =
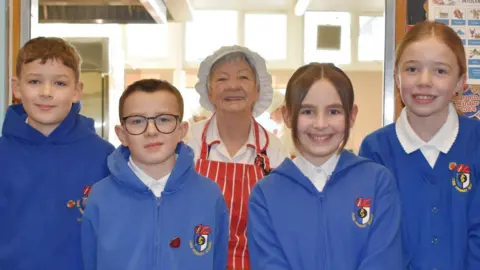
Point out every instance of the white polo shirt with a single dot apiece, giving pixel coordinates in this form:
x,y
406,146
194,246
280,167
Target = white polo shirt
x,y
155,185
442,141
319,175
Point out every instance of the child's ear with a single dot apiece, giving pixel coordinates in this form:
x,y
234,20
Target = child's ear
x,y
122,135
353,115
287,119
461,83
183,127
78,91
16,88
396,78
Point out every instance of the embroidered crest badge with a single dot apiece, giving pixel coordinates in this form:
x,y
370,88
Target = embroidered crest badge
x,y
461,180
202,242
80,203
362,215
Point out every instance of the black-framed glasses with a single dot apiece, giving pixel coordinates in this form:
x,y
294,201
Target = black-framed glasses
x,y
137,124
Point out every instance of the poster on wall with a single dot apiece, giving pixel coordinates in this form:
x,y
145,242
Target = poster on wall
x,y
464,17
469,101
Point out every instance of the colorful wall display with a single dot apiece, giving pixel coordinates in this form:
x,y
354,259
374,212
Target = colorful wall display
x,y
469,101
464,17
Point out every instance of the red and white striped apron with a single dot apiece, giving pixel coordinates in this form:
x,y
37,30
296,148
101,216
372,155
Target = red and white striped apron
x,y
236,181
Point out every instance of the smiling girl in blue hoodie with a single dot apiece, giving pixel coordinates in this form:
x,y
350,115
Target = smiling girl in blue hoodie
x,y
327,208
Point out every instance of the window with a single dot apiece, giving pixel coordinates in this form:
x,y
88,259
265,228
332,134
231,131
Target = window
x,y
191,100
266,34
371,40
311,52
147,41
266,122
209,31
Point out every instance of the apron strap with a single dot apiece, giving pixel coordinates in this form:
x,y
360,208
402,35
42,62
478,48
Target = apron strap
x,y
262,160
205,150
259,149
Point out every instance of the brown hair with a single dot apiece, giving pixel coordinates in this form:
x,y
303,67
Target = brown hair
x,y
151,86
49,48
301,82
440,31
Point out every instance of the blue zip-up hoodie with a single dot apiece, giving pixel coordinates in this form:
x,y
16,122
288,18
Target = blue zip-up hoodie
x,y
43,182
126,227
354,224
440,205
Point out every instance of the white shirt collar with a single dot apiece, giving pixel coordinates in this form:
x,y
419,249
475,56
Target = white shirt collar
x,y
156,186
214,135
319,175
442,140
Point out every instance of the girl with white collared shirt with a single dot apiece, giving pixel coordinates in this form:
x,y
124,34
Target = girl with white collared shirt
x,y
433,153
328,208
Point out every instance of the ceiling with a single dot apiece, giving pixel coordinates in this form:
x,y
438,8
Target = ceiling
x,y
113,11
257,5
277,5
162,11
89,2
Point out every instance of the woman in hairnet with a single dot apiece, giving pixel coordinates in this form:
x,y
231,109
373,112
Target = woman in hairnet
x,y
231,148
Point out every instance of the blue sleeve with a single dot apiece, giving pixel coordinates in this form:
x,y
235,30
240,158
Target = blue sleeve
x,y
220,256
473,256
384,250
264,247
89,238
366,151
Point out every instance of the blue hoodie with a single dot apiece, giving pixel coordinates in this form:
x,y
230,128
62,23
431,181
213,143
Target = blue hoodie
x,y
43,182
354,224
441,214
126,227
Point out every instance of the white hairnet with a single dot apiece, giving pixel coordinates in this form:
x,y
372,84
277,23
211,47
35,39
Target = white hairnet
x,y
264,79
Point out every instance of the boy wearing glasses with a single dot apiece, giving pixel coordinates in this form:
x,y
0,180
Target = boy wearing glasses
x,y
154,211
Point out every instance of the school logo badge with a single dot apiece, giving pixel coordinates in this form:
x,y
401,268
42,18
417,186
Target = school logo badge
x,y
461,181
202,242
81,203
261,160
362,215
